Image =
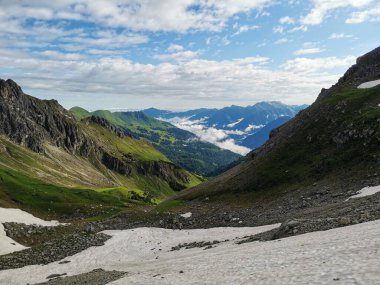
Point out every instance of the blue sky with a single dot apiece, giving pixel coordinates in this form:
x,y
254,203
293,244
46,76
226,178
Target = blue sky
x,y
182,54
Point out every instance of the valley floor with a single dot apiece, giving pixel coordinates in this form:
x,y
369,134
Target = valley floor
x,y
346,255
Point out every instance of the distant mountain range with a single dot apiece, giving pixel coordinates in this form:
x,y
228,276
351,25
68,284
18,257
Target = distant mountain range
x,y
180,146
248,127
334,142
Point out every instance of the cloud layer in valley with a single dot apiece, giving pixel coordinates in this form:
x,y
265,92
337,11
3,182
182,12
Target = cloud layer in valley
x,y
212,135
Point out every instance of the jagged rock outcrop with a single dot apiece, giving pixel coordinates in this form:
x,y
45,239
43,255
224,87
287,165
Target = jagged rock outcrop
x,y
171,173
116,164
32,122
106,124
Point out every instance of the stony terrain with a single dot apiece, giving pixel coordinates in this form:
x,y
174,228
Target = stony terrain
x,y
346,255
95,277
50,251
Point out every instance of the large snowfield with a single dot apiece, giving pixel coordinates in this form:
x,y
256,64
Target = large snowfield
x,y
348,255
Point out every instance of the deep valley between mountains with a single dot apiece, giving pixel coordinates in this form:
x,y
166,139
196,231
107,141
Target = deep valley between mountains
x,y
101,197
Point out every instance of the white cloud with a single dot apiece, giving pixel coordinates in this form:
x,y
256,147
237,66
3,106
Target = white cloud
x,y
259,60
231,145
150,15
308,65
278,29
177,53
175,47
225,41
61,56
287,20
51,57
308,51
282,29
371,14
177,56
335,36
212,135
245,28
309,48
282,41
322,8
107,39
114,81
262,44
301,28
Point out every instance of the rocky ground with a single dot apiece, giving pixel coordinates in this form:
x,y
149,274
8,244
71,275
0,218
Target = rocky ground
x,y
95,277
53,250
317,207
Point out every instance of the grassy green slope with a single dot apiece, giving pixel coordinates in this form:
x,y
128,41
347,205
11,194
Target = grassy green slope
x,y
44,199
140,149
337,135
62,184
137,151
80,113
43,186
178,145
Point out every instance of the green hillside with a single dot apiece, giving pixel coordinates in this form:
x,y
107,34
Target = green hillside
x,y
66,185
80,113
180,146
337,135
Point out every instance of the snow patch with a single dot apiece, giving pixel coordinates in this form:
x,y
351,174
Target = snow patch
x,y
369,84
253,127
235,123
367,191
8,245
186,215
133,250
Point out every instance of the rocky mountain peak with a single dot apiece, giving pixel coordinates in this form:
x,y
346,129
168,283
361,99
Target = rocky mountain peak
x,y
9,88
367,68
31,122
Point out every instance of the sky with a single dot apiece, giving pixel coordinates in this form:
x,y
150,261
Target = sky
x,y
182,54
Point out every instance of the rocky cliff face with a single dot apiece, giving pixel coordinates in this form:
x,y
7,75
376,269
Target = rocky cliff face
x,y
32,122
105,124
174,175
